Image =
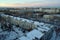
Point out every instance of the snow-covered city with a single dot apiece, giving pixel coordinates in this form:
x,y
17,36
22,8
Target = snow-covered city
x,y
29,19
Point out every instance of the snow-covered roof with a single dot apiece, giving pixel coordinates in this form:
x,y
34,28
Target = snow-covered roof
x,y
41,23
11,16
11,36
35,33
36,23
46,27
18,18
15,17
29,21
41,29
23,19
23,38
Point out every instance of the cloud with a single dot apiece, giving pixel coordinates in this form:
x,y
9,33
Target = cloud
x,y
26,3
20,5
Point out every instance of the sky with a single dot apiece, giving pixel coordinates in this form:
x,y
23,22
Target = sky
x,y
29,3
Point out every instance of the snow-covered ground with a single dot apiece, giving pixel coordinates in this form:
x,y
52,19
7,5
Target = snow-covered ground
x,y
17,33
54,37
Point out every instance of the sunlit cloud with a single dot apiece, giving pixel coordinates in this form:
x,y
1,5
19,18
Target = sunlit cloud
x,y
27,5
23,3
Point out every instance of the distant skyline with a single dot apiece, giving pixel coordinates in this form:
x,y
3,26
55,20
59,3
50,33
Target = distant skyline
x,y
29,3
